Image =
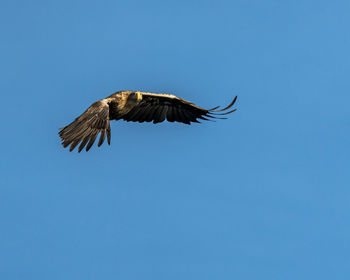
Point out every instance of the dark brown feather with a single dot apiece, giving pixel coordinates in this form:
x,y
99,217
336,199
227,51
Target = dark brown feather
x,y
151,112
85,128
145,113
170,114
92,139
157,114
109,136
102,137
82,145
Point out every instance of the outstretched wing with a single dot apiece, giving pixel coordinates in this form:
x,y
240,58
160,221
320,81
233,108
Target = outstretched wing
x,y
87,126
158,107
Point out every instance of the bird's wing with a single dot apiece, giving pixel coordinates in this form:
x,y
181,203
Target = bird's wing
x,y
158,107
87,126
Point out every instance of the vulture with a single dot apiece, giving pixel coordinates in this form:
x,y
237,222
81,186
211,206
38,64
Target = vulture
x,y
135,106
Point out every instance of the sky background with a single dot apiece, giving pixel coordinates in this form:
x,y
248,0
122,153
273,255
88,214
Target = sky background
x,y
262,195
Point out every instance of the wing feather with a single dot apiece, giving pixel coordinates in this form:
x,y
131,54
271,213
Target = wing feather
x,y
145,113
87,126
181,113
163,113
109,135
151,112
157,118
176,115
102,137
82,145
135,114
92,138
159,107
170,114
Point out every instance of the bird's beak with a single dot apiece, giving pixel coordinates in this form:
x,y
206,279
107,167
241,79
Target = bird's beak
x,y
138,96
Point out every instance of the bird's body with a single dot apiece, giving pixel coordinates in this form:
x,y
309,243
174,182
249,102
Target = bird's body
x,y
134,106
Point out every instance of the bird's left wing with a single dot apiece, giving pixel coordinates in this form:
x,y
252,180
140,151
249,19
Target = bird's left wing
x,y
87,126
158,107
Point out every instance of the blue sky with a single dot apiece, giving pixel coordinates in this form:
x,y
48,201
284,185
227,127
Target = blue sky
x,y
262,195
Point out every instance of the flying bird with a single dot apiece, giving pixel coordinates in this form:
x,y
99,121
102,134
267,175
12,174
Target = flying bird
x,y
136,106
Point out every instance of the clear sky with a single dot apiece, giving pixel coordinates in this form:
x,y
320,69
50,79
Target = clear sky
x,y
262,195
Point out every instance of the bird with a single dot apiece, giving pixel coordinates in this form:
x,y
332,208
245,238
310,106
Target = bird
x,y
135,106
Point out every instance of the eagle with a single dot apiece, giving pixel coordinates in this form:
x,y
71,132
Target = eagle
x,y
135,106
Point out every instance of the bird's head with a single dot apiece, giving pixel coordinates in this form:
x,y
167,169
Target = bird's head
x,y
137,96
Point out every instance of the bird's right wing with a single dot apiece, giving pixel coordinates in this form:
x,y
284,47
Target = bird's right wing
x,y
159,107
87,126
